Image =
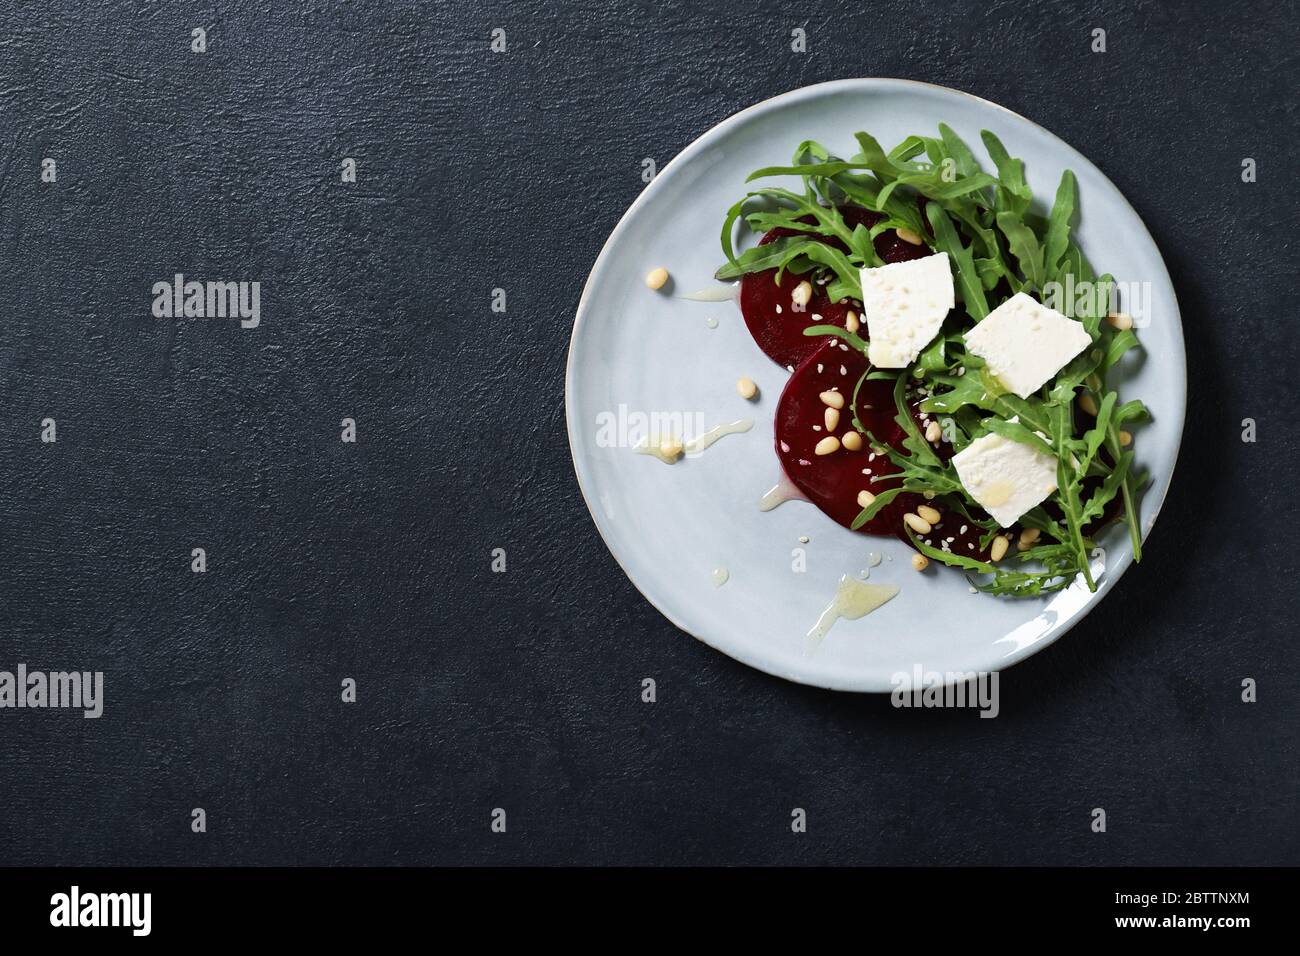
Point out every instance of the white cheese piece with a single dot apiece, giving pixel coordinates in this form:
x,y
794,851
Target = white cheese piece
x,y
904,304
1026,343
1006,477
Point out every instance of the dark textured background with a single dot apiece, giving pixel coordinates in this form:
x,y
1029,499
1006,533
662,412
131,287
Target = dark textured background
x,y
521,690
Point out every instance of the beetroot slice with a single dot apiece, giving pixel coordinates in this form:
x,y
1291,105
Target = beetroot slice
x,y
769,313
832,482
780,333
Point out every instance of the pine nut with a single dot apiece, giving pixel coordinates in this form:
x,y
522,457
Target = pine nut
x,y
802,293
828,445
917,523
851,322
1125,438
999,549
907,235
1029,537
933,432
832,419
1088,404
746,388
1120,320
865,498
656,278
833,399
670,448
931,515
920,561
852,441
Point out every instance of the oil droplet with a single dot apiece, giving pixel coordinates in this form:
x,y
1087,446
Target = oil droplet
x,y
701,442
669,450
853,599
711,322
717,293
720,577
996,493
783,491
873,560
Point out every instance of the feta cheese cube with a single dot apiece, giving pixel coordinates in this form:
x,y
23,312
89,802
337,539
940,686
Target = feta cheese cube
x,y
1025,343
904,304
1006,477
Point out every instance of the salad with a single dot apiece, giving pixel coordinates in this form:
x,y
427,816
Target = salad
x,y
949,350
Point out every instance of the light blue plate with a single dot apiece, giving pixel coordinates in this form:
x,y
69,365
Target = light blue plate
x,y
640,353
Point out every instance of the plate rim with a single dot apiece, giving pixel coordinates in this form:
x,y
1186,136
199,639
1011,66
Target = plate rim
x,y
697,145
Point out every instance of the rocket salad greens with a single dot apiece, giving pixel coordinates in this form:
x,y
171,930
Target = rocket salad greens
x,y
933,191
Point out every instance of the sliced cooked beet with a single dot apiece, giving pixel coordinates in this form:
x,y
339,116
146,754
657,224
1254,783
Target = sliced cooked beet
x,y
832,482
769,313
773,321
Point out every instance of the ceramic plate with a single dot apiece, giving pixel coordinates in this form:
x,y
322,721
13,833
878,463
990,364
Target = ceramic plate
x,y
643,360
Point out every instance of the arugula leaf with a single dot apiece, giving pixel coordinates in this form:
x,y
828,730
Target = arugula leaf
x,y
932,356
1105,493
914,442
1013,193
810,147
1119,344
978,388
967,164
870,511
921,470
850,337
865,191
729,227
933,186
1024,246
947,240
1132,411
1058,224
784,252
1067,492
908,148
774,255
993,271
874,158
1095,436
1019,433
1038,518
1126,485
1003,582
1073,375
